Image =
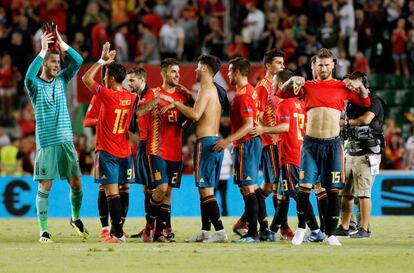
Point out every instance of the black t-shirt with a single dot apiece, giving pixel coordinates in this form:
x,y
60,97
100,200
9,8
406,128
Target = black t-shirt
x,y
377,108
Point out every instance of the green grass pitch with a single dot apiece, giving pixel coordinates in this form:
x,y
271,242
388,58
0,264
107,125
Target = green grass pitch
x,y
391,249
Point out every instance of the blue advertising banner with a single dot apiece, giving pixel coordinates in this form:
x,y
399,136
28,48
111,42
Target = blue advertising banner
x,y
392,194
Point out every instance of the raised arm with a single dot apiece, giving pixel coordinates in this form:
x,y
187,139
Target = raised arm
x,y
359,95
106,58
35,66
76,59
291,88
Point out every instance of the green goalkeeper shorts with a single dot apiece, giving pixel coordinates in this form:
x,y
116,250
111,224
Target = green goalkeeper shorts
x,y
56,162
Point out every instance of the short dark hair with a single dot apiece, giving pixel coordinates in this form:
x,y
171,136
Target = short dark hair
x,y
167,63
241,64
138,71
117,71
360,75
284,75
50,52
269,55
212,62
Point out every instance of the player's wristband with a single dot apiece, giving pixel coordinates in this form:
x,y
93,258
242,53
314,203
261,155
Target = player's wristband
x,y
42,53
64,46
101,62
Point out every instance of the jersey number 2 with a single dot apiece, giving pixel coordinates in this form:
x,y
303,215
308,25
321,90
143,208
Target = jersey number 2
x,y
119,121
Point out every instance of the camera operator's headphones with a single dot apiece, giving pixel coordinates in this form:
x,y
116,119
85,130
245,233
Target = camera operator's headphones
x,y
360,75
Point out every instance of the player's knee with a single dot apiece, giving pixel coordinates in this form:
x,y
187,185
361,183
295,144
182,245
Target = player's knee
x,y
124,188
281,198
45,185
267,187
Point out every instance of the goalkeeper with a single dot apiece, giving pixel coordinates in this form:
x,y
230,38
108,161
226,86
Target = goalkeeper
x,y
56,156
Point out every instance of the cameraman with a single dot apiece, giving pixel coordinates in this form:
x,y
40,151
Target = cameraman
x,y
363,128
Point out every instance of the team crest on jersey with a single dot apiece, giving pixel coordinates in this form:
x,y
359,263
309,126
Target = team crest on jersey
x,y
297,105
157,175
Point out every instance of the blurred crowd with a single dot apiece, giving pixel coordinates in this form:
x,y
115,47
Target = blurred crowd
x,y
373,36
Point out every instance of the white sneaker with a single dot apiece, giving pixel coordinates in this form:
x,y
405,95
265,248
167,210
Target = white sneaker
x,y
333,241
201,237
218,237
299,235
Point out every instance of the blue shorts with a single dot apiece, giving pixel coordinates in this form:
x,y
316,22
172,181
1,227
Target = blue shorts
x,y
110,169
324,158
270,164
141,163
290,181
164,172
246,160
207,163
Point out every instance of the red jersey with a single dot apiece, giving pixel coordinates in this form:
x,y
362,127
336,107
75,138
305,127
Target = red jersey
x,y
289,144
165,130
264,90
143,124
92,114
244,106
329,93
114,117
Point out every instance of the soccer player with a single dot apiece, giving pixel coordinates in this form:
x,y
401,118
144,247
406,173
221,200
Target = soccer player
x,y
207,163
164,148
322,153
91,119
136,80
273,62
247,148
290,129
114,165
56,156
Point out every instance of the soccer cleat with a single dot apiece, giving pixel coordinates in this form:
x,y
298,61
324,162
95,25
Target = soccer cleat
x,y
46,238
148,234
240,228
340,231
105,233
286,234
164,239
314,237
264,235
361,234
114,240
201,237
246,239
333,241
218,237
298,237
168,232
273,236
138,235
79,228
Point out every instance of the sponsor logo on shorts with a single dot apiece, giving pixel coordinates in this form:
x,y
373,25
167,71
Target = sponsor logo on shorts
x,y
201,180
302,175
43,171
248,178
